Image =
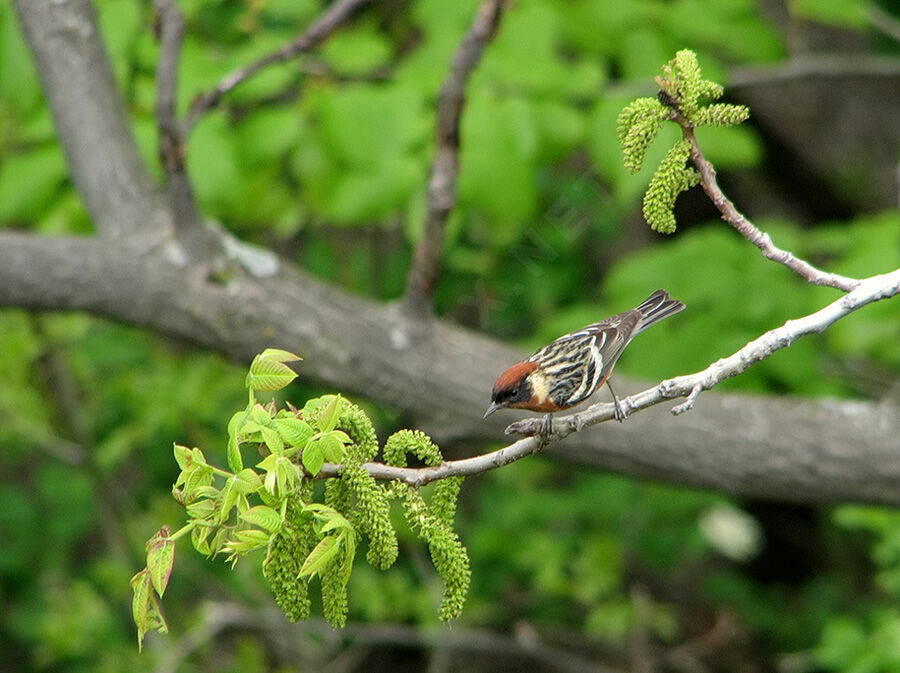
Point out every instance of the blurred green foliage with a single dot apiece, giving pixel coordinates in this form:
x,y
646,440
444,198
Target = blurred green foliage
x,y
326,158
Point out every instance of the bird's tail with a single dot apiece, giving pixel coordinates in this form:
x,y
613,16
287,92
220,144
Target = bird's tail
x,y
656,307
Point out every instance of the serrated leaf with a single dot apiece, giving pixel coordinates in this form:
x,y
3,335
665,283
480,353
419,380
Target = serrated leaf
x,y
320,557
264,517
160,559
268,371
294,431
233,451
247,481
273,440
329,415
313,458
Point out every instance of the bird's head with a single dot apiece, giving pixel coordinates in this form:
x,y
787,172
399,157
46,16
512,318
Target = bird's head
x,y
521,386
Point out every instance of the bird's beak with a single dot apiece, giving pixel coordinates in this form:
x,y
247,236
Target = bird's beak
x,y
491,409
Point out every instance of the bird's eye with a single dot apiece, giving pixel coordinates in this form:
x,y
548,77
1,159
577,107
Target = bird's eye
x,y
515,391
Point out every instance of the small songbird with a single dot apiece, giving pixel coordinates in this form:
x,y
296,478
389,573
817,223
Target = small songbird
x,y
569,370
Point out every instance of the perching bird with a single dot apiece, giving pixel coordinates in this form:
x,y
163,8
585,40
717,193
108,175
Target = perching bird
x,y
569,370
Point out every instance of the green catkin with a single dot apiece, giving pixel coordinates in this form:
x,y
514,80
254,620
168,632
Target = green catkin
x,y
286,553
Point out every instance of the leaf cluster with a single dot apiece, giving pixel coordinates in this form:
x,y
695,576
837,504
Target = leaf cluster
x,y
272,504
684,98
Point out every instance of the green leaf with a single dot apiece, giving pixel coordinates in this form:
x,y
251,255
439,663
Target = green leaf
x,y
313,458
264,517
199,536
273,440
160,559
202,508
321,556
294,431
269,372
247,480
140,604
229,500
332,447
183,457
235,461
329,415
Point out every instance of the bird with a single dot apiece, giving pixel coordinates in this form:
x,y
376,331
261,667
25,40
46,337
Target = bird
x,y
567,371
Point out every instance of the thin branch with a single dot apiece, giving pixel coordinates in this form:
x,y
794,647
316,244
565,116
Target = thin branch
x,y
749,231
339,12
445,168
171,33
867,291
746,228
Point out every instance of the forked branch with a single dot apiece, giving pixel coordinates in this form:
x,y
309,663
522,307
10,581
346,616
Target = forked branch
x,y
445,168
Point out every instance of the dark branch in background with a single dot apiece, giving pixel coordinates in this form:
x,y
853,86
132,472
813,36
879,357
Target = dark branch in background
x,y
294,640
172,149
170,29
320,30
442,182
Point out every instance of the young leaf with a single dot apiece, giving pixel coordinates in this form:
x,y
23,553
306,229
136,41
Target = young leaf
x,y
321,555
273,440
140,605
329,415
233,451
268,371
160,559
313,458
229,500
264,517
332,447
183,457
247,481
294,431
199,537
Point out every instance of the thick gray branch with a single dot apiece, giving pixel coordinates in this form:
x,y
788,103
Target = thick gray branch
x,y
90,118
439,375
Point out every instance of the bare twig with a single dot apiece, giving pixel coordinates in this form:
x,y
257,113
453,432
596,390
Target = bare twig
x,y
442,182
320,30
747,229
171,32
867,291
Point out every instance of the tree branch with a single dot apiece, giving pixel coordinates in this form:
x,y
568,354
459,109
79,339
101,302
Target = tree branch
x,y
746,228
319,31
171,34
442,182
438,375
869,290
219,617
90,118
